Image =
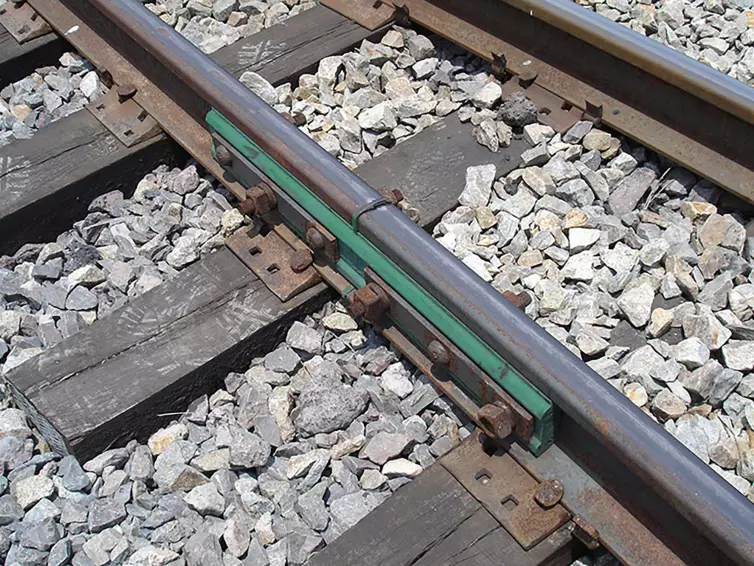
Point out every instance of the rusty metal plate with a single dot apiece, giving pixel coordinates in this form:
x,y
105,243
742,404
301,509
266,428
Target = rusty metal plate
x,y
269,257
553,110
370,14
505,489
22,22
125,119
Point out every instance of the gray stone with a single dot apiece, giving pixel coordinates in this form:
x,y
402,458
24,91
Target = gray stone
x,y
327,408
700,381
10,510
81,299
13,423
29,490
537,155
478,188
60,553
74,477
259,86
724,384
104,513
247,450
311,507
715,293
206,500
636,304
282,359
517,110
384,446
707,328
691,352
631,190
739,355
348,510
666,406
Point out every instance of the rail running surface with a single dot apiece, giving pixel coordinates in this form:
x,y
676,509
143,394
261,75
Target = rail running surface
x,y
602,431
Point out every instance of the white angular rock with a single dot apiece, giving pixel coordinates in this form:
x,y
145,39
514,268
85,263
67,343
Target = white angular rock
x,y
401,467
478,188
580,239
259,86
488,95
636,304
691,352
163,438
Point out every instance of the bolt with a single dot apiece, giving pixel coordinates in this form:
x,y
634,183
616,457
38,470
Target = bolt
x,y
369,301
125,92
315,238
549,493
438,353
223,155
496,420
520,300
300,260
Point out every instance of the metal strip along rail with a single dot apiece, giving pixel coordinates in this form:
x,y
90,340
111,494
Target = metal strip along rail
x,y
384,253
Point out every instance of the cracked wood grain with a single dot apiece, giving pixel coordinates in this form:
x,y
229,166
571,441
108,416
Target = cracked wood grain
x,y
155,355
434,521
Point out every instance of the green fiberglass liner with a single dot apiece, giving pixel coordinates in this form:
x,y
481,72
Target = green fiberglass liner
x,y
357,253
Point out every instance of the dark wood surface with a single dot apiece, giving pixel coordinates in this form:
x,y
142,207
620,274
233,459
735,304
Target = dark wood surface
x,y
111,381
283,52
430,167
434,521
71,161
48,181
17,60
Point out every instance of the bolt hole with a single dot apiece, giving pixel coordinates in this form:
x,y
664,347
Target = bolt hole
x,y
100,107
566,106
128,133
509,503
483,476
254,252
544,111
273,268
142,116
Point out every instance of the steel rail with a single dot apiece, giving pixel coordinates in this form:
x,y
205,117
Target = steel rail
x,y
674,67
663,463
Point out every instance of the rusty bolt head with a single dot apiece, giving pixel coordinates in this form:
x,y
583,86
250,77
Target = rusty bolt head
x,y
223,155
549,493
125,92
438,353
496,420
520,300
259,200
300,260
297,118
315,238
370,302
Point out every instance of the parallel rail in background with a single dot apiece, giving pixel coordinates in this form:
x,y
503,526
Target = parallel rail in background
x,y
652,500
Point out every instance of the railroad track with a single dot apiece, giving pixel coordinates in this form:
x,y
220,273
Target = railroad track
x,y
206,279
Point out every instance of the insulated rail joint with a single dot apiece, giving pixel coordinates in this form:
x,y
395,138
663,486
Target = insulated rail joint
x,y
497,396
